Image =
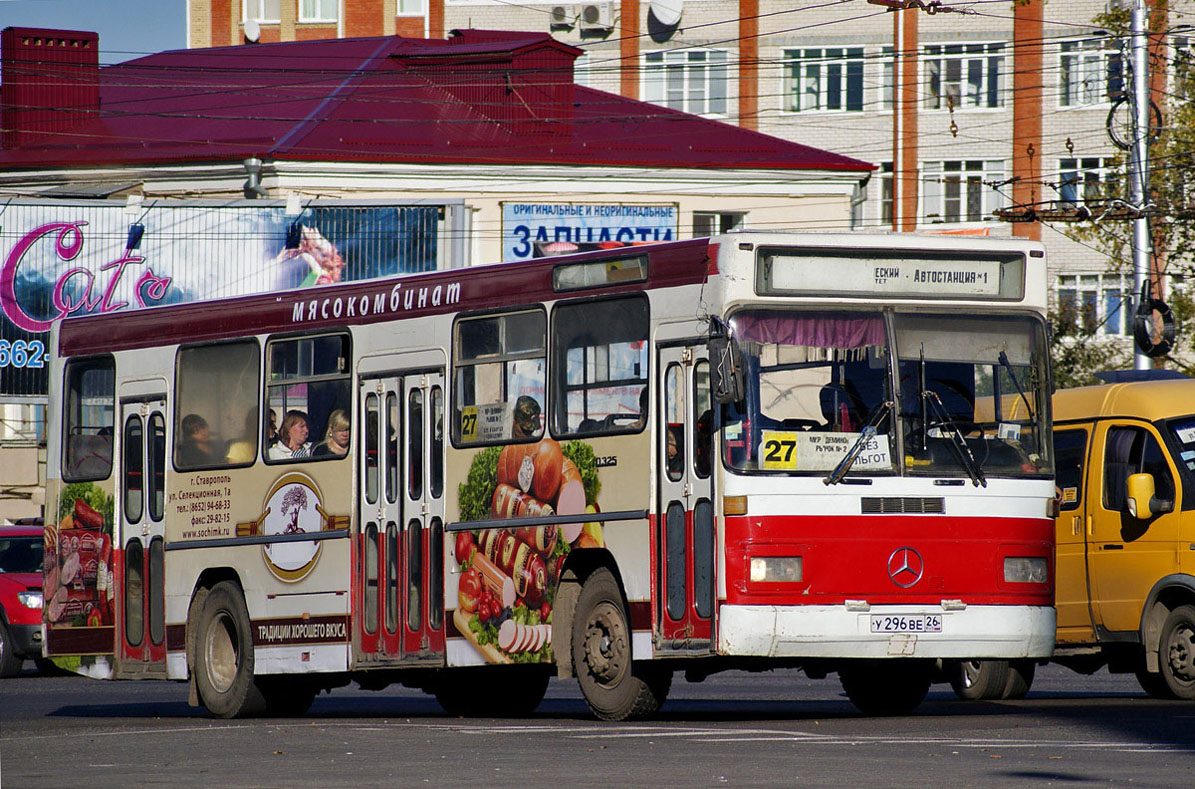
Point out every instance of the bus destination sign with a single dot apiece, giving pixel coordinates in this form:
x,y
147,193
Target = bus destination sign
x,y
889,276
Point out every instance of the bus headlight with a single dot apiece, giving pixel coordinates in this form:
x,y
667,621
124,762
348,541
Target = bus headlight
x,y
1026,570
30,599
775,569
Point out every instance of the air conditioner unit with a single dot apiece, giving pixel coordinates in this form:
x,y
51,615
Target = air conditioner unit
x,y
561,16
594,16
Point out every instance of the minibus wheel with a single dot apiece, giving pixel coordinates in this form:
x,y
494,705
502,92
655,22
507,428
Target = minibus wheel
x,y
223,661
1176,652
615,687
979,680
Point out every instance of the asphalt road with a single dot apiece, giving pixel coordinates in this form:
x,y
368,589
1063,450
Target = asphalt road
x,y
735,729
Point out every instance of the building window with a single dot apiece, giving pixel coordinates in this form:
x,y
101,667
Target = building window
x,y
688,80
711,224
1085,180
961,191
1091,73
886,194
888,78
262,11
823,79
410,7
964,76
1182,56
318,10
1095,304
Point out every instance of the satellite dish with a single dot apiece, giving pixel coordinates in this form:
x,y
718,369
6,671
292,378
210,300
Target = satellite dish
x,y
667,12
252,31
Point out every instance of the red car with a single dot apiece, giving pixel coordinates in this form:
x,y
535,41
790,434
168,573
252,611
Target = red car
x,y
21,550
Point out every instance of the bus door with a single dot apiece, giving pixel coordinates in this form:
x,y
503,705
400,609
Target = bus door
x,y
423,516
402,467
683,583
138,572
378,522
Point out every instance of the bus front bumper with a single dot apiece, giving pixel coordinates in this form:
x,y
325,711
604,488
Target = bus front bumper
x,y
916,631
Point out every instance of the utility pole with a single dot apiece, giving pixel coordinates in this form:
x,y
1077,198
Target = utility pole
x,y
1139,175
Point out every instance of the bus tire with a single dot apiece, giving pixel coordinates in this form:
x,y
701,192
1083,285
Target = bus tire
x,y
615,687
10,663
1176,652
286,697
979,680
886,687
497,692
223,657
1020,678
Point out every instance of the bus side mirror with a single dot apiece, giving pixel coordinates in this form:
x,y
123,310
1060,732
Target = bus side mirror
x,y
1141,498
726,369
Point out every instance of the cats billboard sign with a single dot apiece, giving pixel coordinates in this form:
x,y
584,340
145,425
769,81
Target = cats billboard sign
x,y
59,259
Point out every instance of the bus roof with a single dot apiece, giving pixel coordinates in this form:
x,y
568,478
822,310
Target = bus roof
x,y
369,301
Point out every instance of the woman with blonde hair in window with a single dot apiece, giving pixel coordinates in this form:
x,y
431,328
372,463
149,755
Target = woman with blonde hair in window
x,y
336,439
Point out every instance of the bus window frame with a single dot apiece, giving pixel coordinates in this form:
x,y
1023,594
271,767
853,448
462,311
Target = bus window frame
x,y
452,408
68,421
175,434
265,383
556,382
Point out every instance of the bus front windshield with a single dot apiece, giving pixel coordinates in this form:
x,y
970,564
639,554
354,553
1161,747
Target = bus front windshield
x,y
887,392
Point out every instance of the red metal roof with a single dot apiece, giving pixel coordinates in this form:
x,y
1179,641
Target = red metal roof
x,y
479,97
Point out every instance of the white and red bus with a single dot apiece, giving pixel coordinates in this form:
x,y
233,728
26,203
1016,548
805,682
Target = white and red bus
x,y
752,451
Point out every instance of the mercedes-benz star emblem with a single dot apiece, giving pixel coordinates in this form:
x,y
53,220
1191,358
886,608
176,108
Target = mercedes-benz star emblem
x,y
905,567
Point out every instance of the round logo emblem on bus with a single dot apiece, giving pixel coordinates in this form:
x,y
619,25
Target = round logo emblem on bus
x,y
905,567
292,507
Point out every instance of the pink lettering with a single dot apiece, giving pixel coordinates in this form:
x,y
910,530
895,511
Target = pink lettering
x,y
67,245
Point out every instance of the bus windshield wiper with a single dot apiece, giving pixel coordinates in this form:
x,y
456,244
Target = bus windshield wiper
x,y
852,455
957,441
1012,374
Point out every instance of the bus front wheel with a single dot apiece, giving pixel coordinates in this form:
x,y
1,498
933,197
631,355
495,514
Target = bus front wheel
x,y
223,660
886,687
615,687
1176,652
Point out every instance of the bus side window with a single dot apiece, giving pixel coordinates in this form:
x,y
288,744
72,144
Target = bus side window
x,y
308,386
600,365
1070,454
216,395
499,365
90,412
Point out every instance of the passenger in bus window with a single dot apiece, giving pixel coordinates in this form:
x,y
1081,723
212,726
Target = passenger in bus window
x,y
292,438
525,422
641,420
241,451
674,459
336,439
271,427
196,447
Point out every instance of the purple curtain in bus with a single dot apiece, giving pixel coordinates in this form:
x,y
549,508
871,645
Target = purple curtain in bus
x,y
819,330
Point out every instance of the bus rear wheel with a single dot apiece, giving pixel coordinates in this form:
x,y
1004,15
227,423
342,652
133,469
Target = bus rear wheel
x,y
615,687
223,659
886,687
1176,652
